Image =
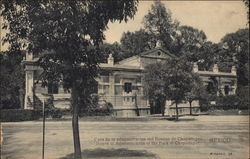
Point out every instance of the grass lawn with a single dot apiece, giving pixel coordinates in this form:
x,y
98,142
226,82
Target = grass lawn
x,y
193,137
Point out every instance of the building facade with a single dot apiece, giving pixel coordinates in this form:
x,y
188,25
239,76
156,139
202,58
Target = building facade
x,y
121,84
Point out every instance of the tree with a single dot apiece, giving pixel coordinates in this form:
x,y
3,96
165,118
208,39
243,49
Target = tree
x,y
207,55
246,2
169,80
159,27
160,24
155,84
236,47
63,34
115,49
179,76
197,91
188,41
134,43
11,80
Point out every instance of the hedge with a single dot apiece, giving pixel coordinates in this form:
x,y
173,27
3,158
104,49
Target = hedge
x,y
227,103
97,112
10,115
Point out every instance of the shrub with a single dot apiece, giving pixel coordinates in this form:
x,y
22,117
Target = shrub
x,y
108,107
13,102
227,103
10,115
50,109
55,113
92,104
243,93
95,107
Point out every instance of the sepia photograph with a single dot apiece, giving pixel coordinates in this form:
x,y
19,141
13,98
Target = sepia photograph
x,y
124,79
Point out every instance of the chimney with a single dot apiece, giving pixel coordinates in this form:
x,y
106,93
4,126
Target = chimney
x,y
29,56
158,44
233,70
215,68
110,60
195,67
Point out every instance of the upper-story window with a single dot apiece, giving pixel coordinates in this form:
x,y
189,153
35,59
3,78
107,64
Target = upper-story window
x,y
226,90
117,79
105,79
52,88
128,87
211,88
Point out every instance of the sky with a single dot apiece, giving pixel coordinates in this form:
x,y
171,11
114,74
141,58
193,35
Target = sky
x,y
215,18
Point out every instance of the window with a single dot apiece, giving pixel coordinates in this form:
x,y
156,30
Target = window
x,y
100,86
118,90
52,88
138,79
139,90
106,89
211,88
226,90
117,79
105,79
134,88
95,87
128,87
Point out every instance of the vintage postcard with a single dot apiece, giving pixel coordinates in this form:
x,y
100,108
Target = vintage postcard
x,y
124,79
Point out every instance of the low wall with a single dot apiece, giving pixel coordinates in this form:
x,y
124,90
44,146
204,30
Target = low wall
x,y
8,115
61,101
131,112
183,111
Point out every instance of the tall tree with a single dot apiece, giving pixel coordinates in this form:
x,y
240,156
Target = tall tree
x,y
179,76
115,49
155,85
11,80
188,41
207,55
169,81
134,43
246,2
197,91
62,34
236,47
160,24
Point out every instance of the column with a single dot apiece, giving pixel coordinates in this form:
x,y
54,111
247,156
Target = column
x,y
219,86
29,84
112,88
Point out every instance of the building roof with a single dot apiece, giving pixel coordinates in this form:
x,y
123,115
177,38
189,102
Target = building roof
x,y
147,54
134,63
211,73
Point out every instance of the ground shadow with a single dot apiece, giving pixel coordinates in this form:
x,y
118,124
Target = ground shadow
x,y
180,119
187,119
110,153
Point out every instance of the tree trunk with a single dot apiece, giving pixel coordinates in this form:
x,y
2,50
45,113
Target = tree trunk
x,y
177,113
190,105
163,107
75,125
21,98
136,106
